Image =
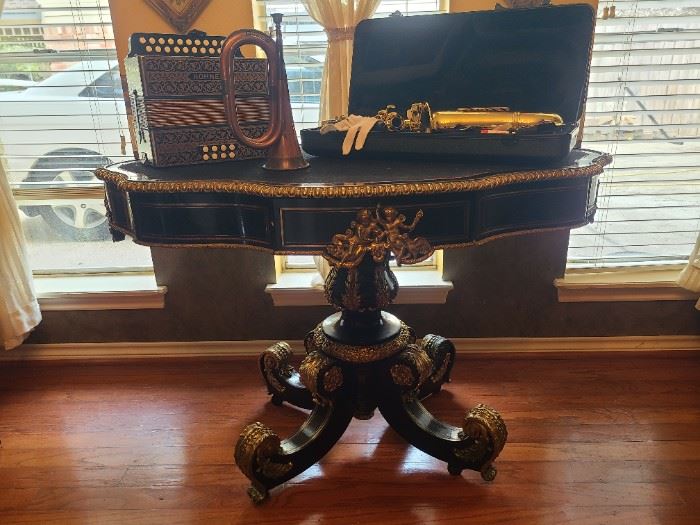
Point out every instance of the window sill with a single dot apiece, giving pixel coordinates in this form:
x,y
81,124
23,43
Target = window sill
x,y
648,283
99,292
415,287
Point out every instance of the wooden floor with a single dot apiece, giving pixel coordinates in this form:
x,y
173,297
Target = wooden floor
x,y
593,439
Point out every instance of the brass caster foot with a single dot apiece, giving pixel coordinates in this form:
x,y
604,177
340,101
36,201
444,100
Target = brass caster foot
x,y
454,470
489,473
256,495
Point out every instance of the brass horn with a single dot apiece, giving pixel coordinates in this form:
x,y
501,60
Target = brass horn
x,y
280,138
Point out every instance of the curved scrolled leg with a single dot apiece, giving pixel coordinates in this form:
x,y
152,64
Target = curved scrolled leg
x,y
268,461
283,382
441,352
474,446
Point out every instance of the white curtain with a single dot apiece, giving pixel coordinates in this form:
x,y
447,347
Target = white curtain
x,y
690,276
19,310
338,18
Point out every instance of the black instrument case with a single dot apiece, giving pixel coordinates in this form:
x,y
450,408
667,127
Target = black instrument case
x,y
529,60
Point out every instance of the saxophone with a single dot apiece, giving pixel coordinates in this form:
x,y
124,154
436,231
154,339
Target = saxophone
x,y
420,118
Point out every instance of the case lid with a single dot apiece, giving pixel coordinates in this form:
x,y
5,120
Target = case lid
x,y
533,60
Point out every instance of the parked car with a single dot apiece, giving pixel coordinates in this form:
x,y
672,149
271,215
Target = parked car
x,y
58,131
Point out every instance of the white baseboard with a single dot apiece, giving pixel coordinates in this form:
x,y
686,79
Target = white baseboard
x,y
139,350
563,345
217,349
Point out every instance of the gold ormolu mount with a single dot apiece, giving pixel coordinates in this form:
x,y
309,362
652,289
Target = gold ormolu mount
x,y
363,358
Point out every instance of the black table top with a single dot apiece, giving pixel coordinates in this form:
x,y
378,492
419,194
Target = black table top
x,y
345,177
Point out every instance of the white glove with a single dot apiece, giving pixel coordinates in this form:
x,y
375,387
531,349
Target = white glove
x,y
357,128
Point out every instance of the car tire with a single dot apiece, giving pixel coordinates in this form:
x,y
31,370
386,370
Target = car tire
x,y
74,220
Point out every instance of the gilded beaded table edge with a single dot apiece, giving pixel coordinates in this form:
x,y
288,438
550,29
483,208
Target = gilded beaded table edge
x,y
395,189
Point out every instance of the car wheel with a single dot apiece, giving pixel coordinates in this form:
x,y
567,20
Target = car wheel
x,y
79,219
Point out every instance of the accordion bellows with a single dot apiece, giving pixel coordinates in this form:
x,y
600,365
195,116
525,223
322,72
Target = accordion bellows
x,y
176,94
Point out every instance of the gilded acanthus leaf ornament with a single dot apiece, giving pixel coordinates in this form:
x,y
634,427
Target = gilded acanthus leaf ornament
x,y
256,455
274,364
378,233
321,375
486,432
412,368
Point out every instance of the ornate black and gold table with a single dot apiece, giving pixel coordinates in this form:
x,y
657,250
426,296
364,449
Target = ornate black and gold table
x,y
357,214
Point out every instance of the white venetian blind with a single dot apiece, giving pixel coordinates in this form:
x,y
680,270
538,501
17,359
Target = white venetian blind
x,y
644,108
62,114
61,103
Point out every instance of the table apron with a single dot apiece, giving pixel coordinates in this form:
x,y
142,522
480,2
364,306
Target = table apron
x,y
306,225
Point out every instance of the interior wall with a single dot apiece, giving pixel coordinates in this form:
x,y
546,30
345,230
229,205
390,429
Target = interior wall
x,y
220,17
502,289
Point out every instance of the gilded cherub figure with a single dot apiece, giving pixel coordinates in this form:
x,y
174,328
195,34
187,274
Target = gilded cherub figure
x,y
348,249
378,233
405,249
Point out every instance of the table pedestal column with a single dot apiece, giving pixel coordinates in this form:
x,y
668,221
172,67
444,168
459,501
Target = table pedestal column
x,y
363,358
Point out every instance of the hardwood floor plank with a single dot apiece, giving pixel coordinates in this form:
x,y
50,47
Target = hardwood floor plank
x,y
543,516
405,490
203,475
343,452
593,439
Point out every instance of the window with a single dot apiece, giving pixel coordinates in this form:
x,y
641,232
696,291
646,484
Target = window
x,y
62,114
304,53
644,108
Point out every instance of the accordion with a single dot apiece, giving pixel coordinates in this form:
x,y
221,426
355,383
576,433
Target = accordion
x,y
176,95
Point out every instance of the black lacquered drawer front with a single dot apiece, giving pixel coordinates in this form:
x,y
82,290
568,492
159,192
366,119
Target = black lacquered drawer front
x,y
303,226
200,219
531,207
